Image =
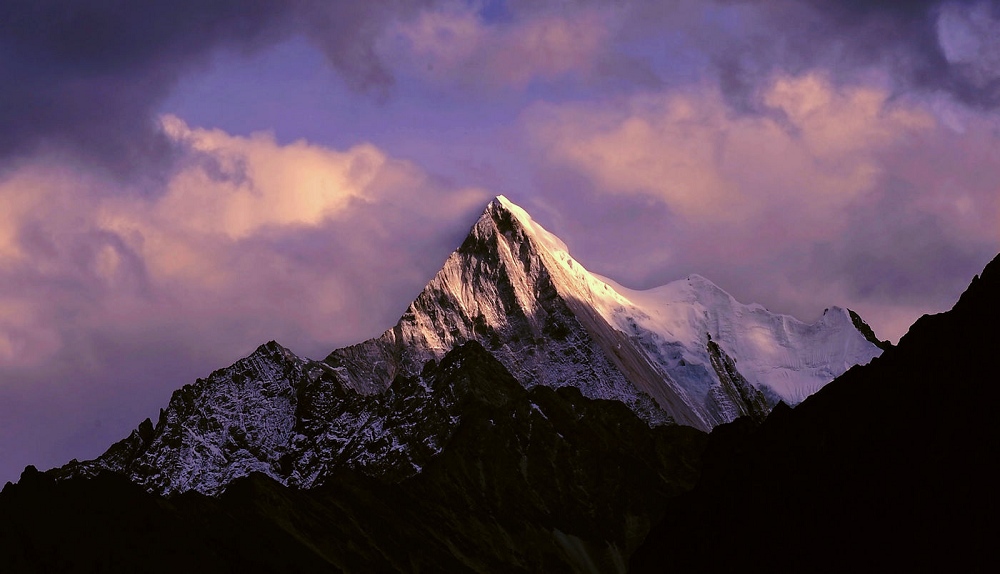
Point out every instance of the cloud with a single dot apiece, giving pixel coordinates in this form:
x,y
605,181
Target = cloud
x,y
811,152
799,153
250,239
238,185
85,77
831,194
454,43
923,46
969,37
913,43
110,299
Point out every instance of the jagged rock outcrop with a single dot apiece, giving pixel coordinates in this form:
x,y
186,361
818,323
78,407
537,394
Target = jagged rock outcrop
x,y
527,480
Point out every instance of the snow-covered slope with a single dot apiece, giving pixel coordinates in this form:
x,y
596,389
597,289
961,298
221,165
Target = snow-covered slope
x,y
503,288
287,417
783,357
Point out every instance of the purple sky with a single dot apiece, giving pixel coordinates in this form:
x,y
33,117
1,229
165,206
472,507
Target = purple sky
x,y
182,181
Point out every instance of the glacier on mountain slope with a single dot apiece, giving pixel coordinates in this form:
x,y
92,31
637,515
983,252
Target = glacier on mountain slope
x,y
784,357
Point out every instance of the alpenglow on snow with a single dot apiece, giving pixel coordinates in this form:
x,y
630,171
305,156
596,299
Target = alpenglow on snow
x,y
684,353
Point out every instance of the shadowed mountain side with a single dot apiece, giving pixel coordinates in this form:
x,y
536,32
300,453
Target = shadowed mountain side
x,y
891,466
529,480
108,524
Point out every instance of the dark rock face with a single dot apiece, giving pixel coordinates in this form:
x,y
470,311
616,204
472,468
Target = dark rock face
x,y
734,391
527,480
891,466
504,424
237,420
514,288
541,479
290,419
867,331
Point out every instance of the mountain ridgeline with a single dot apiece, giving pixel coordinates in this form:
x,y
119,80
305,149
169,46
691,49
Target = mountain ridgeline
x,y
524,414
891,467
513,287
684,353
529,480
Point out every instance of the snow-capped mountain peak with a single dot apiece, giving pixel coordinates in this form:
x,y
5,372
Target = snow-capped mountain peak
x,y
686,352
538,233
514,287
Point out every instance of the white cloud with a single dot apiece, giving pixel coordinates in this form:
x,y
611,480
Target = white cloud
x,y
249,240
811,155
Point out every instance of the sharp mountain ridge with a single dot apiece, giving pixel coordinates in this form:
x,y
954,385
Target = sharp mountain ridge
x,y
528,480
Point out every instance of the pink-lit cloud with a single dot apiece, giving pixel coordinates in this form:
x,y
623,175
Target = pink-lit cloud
x,y
811,155
110,299
227,246
827,175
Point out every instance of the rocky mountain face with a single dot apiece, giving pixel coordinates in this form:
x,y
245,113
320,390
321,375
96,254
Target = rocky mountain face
x,y
526,480
893,466
685,353
289,418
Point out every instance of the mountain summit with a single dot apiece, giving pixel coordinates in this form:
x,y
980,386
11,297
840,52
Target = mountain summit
x,y
685,353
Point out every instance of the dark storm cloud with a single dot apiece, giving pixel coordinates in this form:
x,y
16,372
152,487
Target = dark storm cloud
x,y
746,41
86,76
847,36
348,34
